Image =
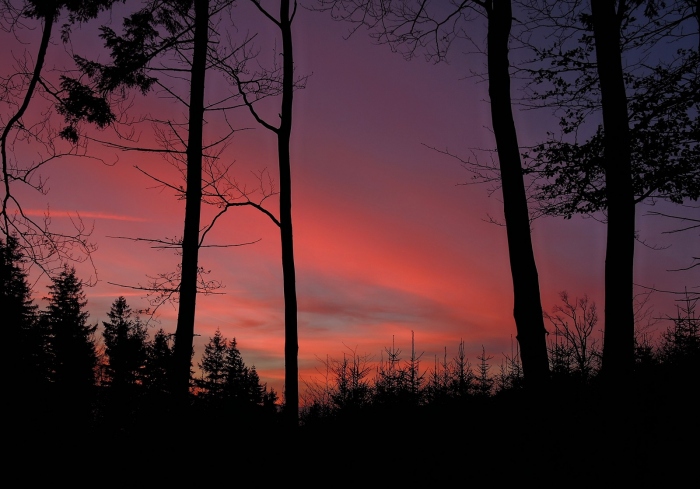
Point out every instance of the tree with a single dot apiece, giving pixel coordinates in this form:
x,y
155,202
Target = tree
x,y
484,383
437,389
159,357
510,375
351,389
40,244
391,378
462,383
27,354
237,375
645,148
159,43
284,85
415,26
226,380
415,380
141,58
71,339
125,341
242,387
575,350
680,343
214,368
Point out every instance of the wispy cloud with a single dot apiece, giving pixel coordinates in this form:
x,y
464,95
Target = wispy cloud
x,y
53,213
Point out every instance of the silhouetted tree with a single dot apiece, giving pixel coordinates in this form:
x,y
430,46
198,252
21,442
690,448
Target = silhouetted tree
x,y
27,353
354,388
510,375
680,343
415,380
431,27
159,43
237,379
142,58
71,342
256,390
214,368
40,244
645,355
437,388
125,339
630,62
226,380
284,85
159,357
574,348
484,383
462,381
391,378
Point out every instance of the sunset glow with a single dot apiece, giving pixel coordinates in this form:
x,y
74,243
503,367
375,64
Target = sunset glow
x,y
388,239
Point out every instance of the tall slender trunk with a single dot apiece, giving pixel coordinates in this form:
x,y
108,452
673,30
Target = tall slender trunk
x,y
184,334
291,345
527,309
618,345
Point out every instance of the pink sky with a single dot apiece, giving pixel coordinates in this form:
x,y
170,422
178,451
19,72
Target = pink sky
x,y
386,240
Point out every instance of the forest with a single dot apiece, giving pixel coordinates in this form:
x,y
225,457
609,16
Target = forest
x,y
130,330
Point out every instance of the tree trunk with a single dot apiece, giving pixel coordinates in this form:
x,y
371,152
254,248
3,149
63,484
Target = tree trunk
x,y
527,309
291,345
184,334
618,345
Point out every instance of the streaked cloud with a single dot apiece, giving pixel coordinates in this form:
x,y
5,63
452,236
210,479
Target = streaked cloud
x,y
54,213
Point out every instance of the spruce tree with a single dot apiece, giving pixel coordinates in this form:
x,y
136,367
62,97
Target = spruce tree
x,y
20,319
70,338
125,346
214,369
227,381
159,354
484,382
237,376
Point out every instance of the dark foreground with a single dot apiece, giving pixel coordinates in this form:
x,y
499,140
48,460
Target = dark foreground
x,y
647,435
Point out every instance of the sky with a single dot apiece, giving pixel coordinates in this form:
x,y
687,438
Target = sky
x,y
389,240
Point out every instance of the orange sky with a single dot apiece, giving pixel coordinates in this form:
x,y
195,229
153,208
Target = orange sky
x,y
386,240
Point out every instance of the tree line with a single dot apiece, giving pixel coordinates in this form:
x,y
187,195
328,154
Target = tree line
x,y
356,386
65,383
58,357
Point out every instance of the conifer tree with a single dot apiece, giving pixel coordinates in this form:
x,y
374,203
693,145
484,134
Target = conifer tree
x,y
20,318
214,368
237,376
227,381
256,391
680,343
125,346
70,338
484,383
159,354
462,379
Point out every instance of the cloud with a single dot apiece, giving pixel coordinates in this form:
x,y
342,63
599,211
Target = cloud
x,y
53,213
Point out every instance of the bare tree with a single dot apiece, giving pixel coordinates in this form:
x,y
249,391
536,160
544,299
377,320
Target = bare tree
x,y
430,27
575,322
280,81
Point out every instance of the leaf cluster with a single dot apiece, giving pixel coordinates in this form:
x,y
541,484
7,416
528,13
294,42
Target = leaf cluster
x,y
662,94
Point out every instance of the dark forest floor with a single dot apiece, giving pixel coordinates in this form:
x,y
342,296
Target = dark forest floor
x,y
645,437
